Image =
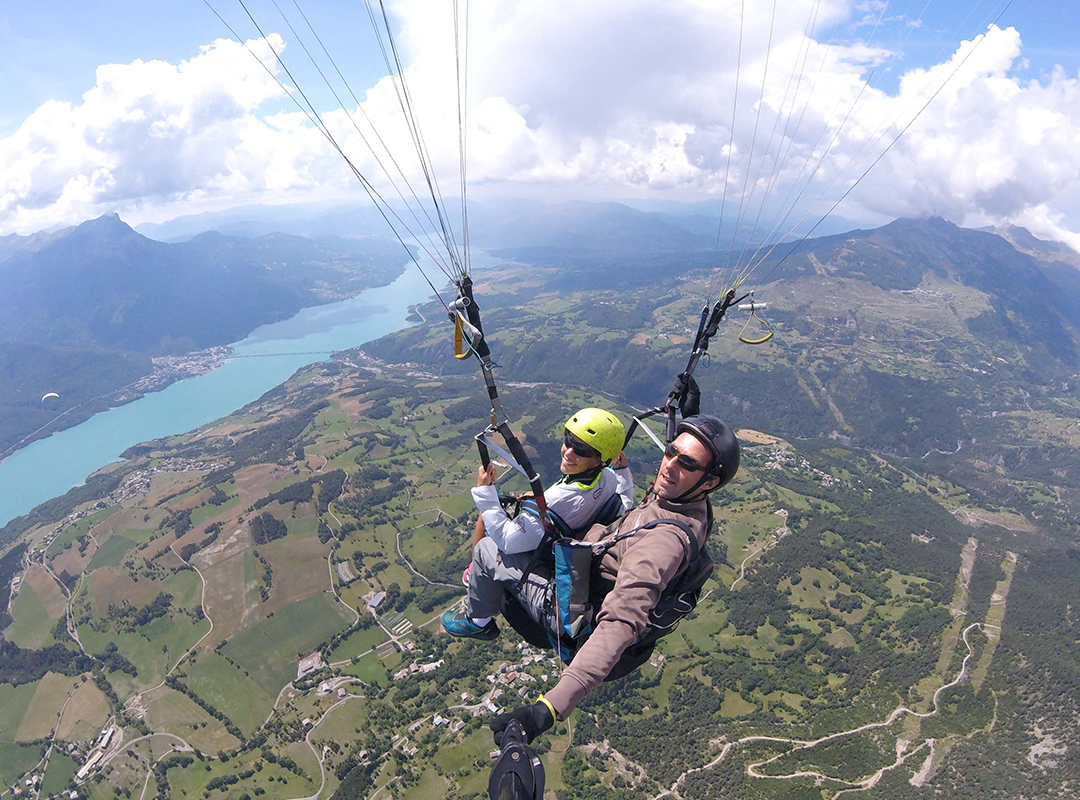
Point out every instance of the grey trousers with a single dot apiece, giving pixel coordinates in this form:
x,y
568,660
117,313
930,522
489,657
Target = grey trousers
x,y
494,573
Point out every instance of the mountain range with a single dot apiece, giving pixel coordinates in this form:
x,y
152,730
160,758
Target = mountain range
x,y
86,308
102,283
1002,301
535,228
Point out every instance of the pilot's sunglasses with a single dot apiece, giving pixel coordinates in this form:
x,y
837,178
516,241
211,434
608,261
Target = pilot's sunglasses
x,y
581,448
684,461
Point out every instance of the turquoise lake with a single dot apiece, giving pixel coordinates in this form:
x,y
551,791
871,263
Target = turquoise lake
x,y
49,467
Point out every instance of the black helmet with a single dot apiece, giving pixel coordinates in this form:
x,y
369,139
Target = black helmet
x,y
720,440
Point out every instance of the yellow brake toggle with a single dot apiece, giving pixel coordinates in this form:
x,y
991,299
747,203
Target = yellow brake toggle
x,y
754,315
464,333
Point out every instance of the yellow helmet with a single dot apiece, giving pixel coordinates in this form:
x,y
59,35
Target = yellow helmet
x,y
599,429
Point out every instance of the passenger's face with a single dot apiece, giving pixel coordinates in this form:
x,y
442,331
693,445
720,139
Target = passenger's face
x,y
675,479
574,464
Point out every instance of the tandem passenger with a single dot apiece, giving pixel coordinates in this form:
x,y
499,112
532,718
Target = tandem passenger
x,y
596,486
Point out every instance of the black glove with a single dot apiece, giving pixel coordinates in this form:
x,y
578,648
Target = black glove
x,y
534,719
689,396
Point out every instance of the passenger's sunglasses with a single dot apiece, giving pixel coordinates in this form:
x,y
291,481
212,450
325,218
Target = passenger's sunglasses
x,y
684,461
581,448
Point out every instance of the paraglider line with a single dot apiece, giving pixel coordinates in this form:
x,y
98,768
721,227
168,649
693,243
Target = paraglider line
x,y
356,127
316,120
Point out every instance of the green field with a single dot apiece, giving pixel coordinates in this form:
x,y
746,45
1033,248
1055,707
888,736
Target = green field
x,y
746,534
369,669
85,714
273,779
17,759
200,515
268,649
185,587
358,642
762,644
431,785
153,648
735,706
78,529
346,720
176,713
14,700
707,620
111,553
32,626
455,756
59,775
229,690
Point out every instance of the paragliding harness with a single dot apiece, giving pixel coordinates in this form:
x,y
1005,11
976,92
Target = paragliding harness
x,y
555,527
578,592
518,773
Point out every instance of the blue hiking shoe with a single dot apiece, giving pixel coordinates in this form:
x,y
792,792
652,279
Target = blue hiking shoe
x,y
458,624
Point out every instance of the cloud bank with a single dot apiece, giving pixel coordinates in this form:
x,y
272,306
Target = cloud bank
x,y
633,98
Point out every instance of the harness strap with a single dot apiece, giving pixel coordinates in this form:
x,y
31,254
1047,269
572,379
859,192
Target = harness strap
x,y
520,456
600,548
574,593
473,331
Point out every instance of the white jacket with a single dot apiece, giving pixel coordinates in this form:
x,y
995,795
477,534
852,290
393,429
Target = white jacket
x,y
575,503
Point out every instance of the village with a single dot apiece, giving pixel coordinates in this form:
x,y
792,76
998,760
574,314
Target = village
x,y
169,369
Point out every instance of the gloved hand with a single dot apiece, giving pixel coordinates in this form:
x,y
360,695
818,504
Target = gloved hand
x,y
534,719
689,396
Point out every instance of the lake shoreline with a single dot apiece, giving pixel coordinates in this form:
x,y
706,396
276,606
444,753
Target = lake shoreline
x,y
50,467
166,371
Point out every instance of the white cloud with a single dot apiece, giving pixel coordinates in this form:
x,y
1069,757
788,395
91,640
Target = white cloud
x,y
150,132
616,97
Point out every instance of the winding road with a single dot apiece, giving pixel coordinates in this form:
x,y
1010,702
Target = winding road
x,y
774,540
321,757
861,784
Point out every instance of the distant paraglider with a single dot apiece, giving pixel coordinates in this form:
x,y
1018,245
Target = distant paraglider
x,y
49,396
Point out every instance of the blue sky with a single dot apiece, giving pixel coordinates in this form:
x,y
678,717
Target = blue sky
x,y
51,49
605,99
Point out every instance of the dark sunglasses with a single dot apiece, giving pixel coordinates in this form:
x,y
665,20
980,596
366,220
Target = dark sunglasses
x,y
581,448
684,461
